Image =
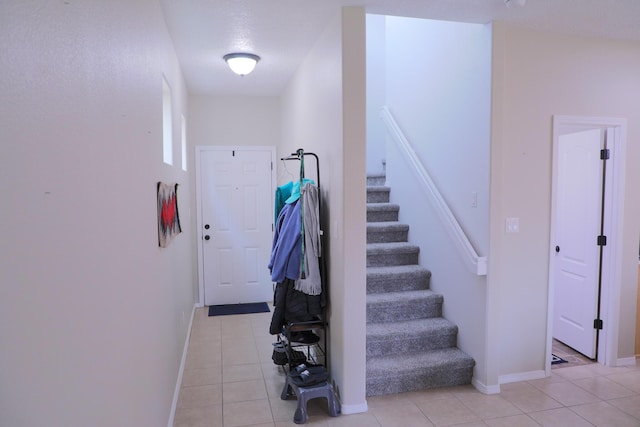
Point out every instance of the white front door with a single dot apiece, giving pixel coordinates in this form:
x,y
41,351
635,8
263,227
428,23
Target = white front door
x,y
578,223
236,204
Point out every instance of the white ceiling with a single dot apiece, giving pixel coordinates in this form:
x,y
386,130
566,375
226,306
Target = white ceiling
x,y
281,32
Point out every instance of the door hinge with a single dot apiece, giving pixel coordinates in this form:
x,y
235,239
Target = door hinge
x,y
597,323
604,154
602,240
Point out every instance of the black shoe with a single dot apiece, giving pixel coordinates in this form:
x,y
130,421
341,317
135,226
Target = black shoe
x,y
304,337
297,358
279,355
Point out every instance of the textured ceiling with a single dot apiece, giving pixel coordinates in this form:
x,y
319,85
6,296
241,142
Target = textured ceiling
x,y
283,31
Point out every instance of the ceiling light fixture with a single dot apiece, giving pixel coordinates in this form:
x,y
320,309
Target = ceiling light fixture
x,y
241,63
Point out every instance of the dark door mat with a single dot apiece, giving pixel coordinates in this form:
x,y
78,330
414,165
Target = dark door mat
x,y
226,309
555,360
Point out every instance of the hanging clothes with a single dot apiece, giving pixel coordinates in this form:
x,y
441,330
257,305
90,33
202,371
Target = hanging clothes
x,y
286,249
296,252
310,283
282,194
287,194
292,306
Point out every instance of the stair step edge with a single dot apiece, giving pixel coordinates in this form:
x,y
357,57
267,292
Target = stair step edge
x,y
395,225
399,296
398,270
407,327
385,206
392,246
420,361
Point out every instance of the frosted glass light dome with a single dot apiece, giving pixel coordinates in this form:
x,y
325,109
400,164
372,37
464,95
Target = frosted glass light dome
x,y
241,63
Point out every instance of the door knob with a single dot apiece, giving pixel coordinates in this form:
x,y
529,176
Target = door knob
x,y
206,226
207,237
557,249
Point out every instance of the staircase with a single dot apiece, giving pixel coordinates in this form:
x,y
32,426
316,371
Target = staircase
x,y
410,346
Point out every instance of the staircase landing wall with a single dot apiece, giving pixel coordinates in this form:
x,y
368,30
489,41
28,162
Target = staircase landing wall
x,y
441,99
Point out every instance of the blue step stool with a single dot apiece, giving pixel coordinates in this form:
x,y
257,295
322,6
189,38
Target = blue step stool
x,y
304,394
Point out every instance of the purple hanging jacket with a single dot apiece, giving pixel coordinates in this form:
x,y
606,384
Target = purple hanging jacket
x,y
286,249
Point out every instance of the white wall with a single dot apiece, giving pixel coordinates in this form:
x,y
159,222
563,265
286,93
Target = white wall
x,y
438,87
323,111
376,89
234,120
94,314
537,75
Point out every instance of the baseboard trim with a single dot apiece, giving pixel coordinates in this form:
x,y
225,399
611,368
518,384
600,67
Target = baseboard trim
x,y
626,361
176,392
354,409
521,376
485,389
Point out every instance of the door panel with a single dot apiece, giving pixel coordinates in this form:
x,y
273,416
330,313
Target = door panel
x,y
237,205
578,219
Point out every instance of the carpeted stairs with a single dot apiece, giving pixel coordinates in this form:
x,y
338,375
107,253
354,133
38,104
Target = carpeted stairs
x,y
410,346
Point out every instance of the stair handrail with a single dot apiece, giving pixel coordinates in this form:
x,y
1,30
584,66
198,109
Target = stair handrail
x,y
475,263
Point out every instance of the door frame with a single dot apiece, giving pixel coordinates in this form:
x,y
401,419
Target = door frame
x,y
614,210
198,187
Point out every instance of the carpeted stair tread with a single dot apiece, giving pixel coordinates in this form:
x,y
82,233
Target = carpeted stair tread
x,y
410,336
398,269
404,305
438,359
376,179
395,278
388,247
382,212
392,253
433,325
389,231
383,206
403,296
378,194
418,371
392,225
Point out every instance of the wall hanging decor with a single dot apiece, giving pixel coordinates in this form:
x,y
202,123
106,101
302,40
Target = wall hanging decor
x,y
168,218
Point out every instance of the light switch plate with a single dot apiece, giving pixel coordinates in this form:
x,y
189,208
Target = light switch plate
x,y
513,225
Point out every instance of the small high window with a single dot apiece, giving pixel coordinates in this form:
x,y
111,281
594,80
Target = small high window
x,y
184,144
167,129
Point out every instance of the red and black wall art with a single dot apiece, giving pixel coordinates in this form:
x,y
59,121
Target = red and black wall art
x,y
168,218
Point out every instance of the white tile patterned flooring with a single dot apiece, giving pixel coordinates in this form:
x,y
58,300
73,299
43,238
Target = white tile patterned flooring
x,y
231,381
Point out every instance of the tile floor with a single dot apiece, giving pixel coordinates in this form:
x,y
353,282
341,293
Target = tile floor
x,y
230,380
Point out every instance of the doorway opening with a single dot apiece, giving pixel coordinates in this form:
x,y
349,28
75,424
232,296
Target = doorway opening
x,y
566,357
585,266
234,202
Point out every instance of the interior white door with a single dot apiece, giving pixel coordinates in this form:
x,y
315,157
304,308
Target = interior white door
x,y
236,202
578,221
